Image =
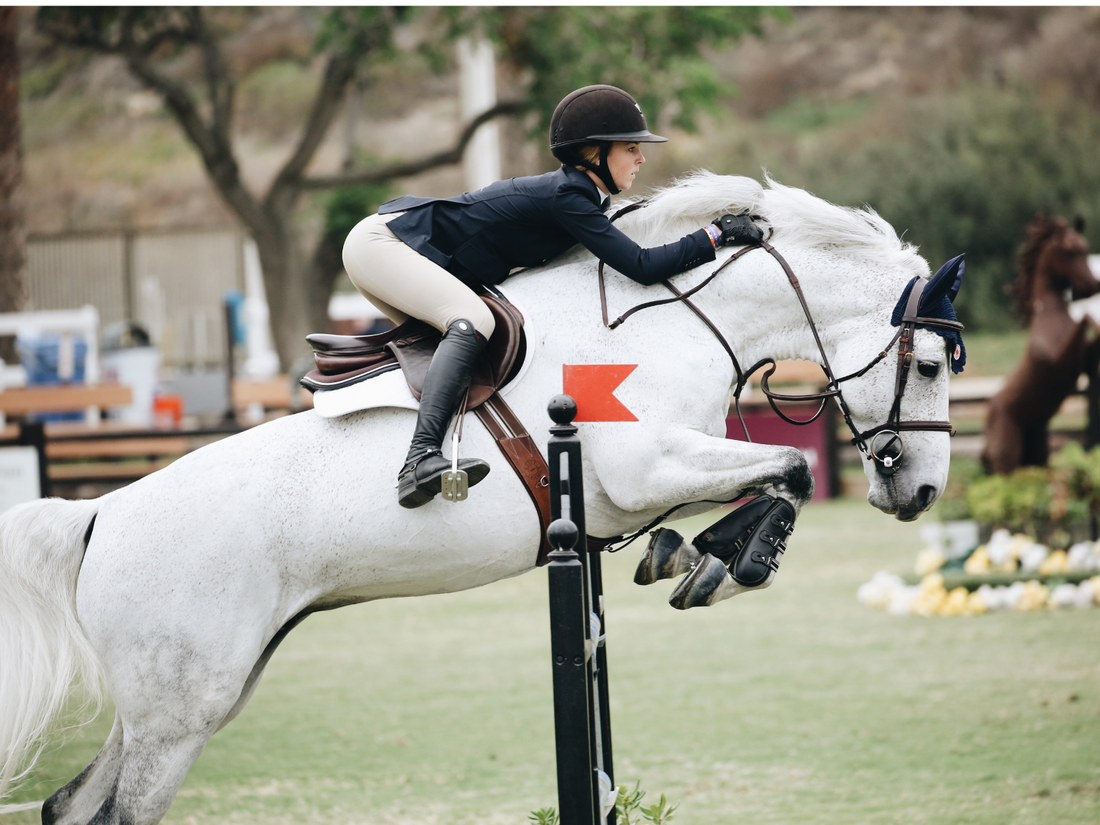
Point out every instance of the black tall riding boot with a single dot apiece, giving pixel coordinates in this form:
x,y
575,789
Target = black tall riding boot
x,y
420,480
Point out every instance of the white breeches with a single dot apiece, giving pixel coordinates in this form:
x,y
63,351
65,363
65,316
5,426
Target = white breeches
x,y
402,283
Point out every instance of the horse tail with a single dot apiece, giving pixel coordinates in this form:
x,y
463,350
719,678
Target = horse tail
x,y
42,646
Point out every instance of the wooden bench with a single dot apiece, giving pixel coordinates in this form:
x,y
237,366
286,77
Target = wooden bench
x,y
273,395
18,402
115,457
85,461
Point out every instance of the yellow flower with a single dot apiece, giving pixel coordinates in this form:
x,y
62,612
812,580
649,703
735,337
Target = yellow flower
x,y
1054,563
930,596
978,562
975,604
929,560
1034,596
1019,543
954,604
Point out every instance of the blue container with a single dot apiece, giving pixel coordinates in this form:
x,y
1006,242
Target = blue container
x,y
41,361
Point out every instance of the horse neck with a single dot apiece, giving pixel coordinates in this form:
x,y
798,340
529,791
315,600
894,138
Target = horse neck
x,y
1048,296
765,319
1053,278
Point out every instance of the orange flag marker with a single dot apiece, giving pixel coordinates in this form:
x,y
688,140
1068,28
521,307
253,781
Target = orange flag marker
x,y
592,386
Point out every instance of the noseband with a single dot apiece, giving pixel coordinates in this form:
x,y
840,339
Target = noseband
x,y
883,444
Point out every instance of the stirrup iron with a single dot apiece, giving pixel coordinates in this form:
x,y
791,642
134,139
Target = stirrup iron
x,y
455,484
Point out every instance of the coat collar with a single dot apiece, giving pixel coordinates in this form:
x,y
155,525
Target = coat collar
x,y
574,175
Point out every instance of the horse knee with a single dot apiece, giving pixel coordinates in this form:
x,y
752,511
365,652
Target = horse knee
x,y
798,478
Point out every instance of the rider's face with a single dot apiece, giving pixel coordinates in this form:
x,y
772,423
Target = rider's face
x,y
623,161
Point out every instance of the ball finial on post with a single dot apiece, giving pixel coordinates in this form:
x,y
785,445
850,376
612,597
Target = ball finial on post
x,y
563,534
562,409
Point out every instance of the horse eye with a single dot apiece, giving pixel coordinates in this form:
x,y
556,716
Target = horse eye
x,y
928,369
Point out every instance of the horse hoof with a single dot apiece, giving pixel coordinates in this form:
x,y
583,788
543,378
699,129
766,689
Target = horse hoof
x,y
707,584
666,557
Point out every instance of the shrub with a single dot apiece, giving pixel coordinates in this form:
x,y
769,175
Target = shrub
x,y
968,173
1067,490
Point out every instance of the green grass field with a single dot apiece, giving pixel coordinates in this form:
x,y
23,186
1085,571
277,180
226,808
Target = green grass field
x,y
791,705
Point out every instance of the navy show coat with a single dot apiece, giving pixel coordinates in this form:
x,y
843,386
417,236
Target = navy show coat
x,y
482,236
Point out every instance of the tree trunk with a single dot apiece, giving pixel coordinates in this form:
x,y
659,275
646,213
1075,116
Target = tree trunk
x,y
13,238
288,293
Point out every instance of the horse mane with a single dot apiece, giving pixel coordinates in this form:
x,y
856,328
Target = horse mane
x,y
1039,233
796,217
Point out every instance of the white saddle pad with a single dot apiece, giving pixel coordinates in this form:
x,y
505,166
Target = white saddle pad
x,y
390,389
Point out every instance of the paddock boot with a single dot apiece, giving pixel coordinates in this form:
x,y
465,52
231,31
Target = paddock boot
x,y
420,480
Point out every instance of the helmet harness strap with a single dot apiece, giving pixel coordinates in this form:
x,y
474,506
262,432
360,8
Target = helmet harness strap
x,y
601,171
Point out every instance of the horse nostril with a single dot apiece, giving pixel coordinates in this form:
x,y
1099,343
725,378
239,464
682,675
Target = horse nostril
x,y
926,495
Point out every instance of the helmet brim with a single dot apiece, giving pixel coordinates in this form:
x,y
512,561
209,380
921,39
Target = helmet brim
x,y
618,137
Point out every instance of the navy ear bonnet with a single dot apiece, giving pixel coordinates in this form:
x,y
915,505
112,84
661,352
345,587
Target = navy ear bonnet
x,y
936,303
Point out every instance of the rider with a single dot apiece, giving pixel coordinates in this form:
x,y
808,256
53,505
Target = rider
x,y
425,257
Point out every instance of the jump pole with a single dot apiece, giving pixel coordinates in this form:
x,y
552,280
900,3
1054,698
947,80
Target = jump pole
x,y
582,721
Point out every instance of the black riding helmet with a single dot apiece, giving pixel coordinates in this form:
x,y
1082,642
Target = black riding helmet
x,y
600,115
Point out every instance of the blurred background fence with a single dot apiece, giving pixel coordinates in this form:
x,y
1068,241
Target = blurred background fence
x,y
172,283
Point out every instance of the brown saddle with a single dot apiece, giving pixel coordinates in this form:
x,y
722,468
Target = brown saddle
x,y
343,360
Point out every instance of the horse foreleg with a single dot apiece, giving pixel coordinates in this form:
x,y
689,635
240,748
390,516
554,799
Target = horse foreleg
x,y
690,466
697,467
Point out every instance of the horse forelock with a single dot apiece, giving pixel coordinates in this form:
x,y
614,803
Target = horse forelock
x,y
796,217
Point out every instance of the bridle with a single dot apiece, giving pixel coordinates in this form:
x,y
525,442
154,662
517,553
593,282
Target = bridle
x,y
883,444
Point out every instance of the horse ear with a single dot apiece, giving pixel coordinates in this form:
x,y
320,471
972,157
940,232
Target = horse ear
x,y
945,282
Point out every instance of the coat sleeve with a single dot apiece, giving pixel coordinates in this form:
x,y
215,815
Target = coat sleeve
x,y
582,219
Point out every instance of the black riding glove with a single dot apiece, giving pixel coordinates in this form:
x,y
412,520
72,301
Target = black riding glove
x,y
738,229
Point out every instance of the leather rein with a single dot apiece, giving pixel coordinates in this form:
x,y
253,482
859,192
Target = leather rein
x,y
882,443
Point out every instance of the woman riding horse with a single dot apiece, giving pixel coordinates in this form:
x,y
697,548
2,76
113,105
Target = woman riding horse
x,y
424,257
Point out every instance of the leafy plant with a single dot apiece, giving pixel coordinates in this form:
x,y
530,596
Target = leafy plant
x,y
953,504
544,816
1067,490
1082,471
630,802
660,811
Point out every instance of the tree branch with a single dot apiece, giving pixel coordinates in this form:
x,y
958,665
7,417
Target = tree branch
x,y
220,87
415,167
338,74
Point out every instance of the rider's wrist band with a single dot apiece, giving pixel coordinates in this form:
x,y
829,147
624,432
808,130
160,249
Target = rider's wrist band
x,y
714,233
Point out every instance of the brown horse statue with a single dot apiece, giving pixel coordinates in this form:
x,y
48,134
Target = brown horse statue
x,y
1054,262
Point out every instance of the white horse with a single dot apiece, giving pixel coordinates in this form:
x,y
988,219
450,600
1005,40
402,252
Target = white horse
x,y
175,590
